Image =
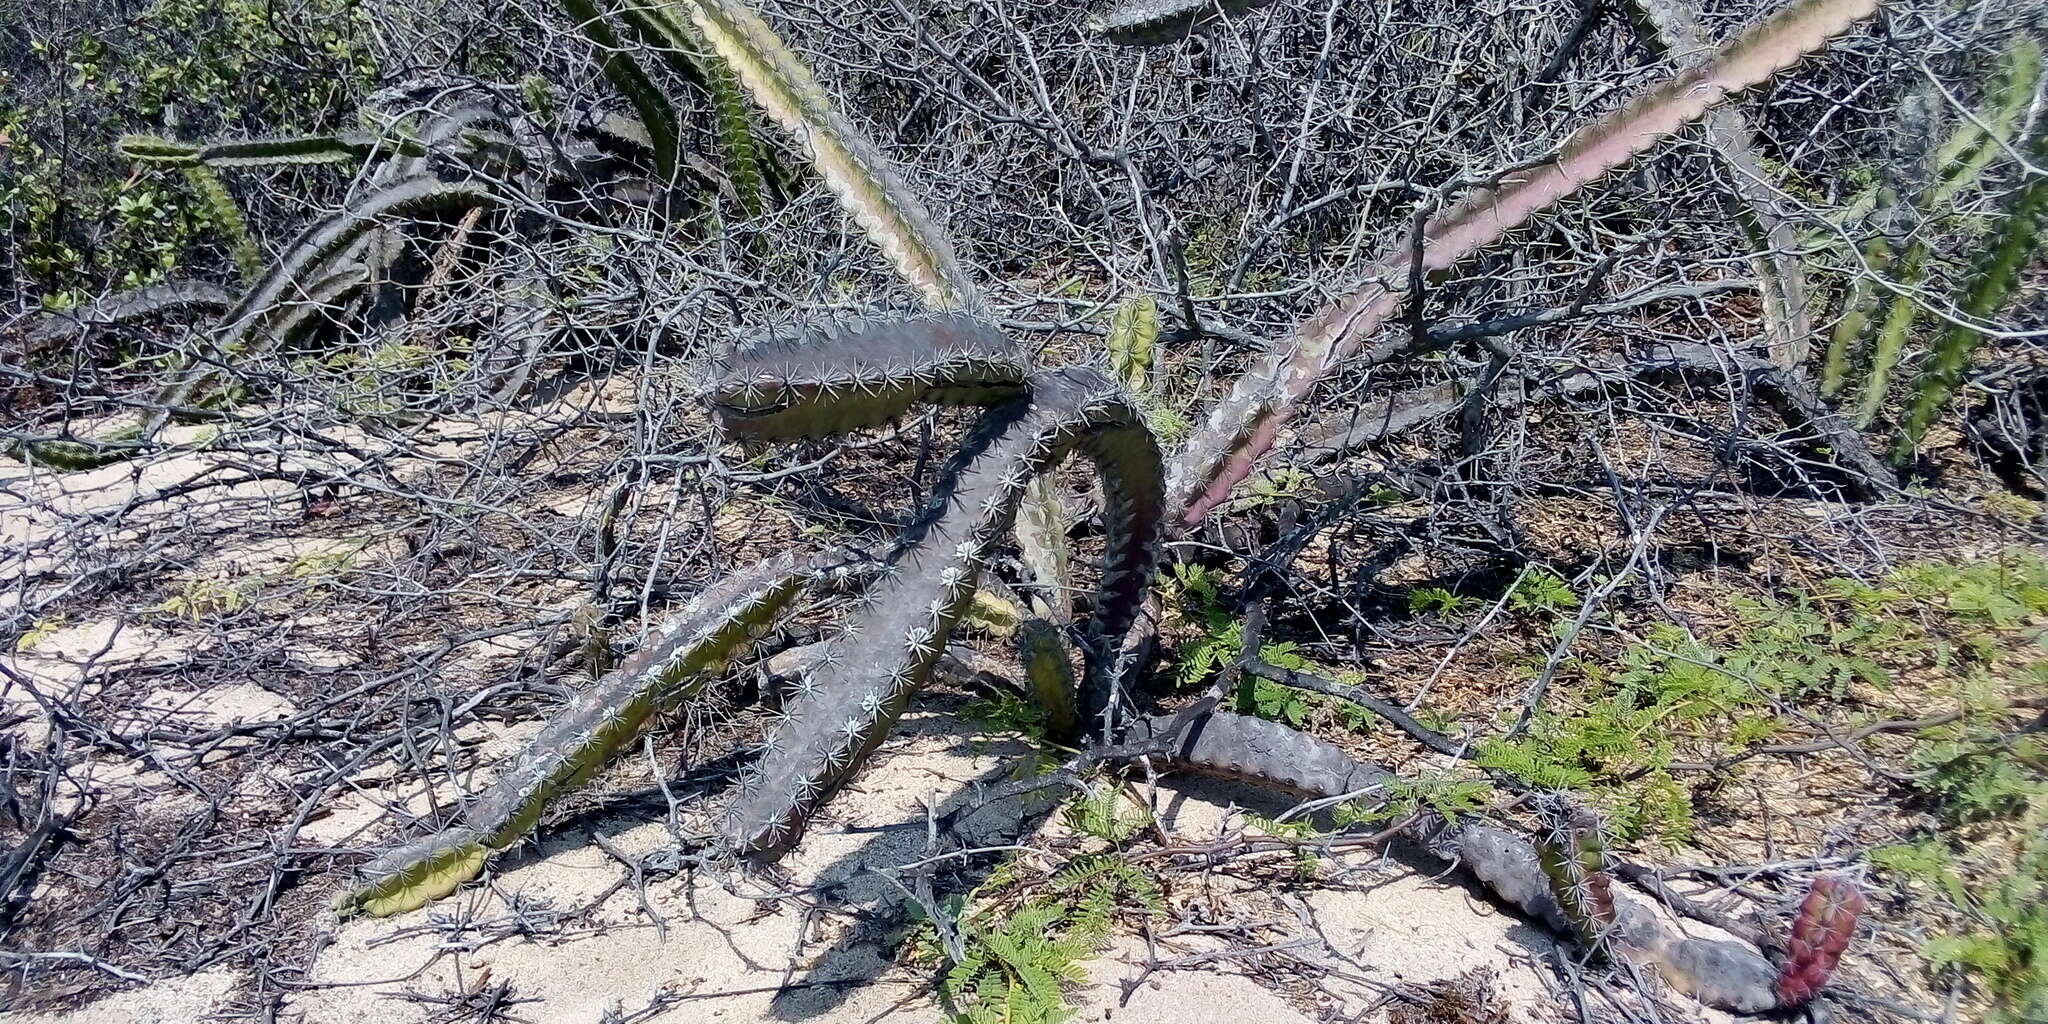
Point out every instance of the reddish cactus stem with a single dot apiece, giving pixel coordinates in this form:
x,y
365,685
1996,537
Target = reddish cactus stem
x,y
1826,922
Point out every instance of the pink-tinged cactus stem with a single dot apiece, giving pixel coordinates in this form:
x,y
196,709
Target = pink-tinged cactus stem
x,y
1826,922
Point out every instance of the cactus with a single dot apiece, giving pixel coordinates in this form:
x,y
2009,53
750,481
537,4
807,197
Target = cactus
x,y
888,649
849,163
228,215
657,115
1820,933
297,149
677,40
689,649
1956,166
1725,975
1245,425
1049,675
821,380
1997,273
1856,309
1573,855
1157,22
1132,332
245,331
1752,197
854,690
134,304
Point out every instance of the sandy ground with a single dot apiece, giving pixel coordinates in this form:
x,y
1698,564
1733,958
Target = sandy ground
x,y
723,955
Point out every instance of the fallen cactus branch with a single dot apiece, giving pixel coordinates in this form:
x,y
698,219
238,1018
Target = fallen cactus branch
x,y
1722,974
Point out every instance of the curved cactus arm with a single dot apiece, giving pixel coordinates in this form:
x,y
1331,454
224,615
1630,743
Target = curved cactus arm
x,y
657,115
121,307
246,329
850,164
868,672
1042,651
689,649
1997,273
323,295
1246,425
1158,22
820,380
1725,975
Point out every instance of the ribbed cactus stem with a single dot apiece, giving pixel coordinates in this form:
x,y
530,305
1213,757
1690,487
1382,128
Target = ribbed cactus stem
x,y
867,186
1857,306
1573,855
819,380
292,149
1049,673
1820,934
678,41
886,652
1158,22
1997,273
1247,424
1133,332
657,115
247,329
227,215
597,725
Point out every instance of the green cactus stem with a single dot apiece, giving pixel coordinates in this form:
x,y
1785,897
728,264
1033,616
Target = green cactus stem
x,y
1996,276
886,652
247,331
1132,333
815,381
690,649
1042,651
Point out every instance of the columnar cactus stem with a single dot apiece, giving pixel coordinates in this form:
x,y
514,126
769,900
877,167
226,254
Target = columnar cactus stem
x,y
1247,424
1049,673
819,381
691,648
887,651
246,330
1820,933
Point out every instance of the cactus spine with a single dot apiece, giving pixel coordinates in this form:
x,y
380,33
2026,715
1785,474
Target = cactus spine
x,y
1820,933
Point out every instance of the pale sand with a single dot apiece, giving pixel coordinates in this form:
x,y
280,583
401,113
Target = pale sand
x,y
735,959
